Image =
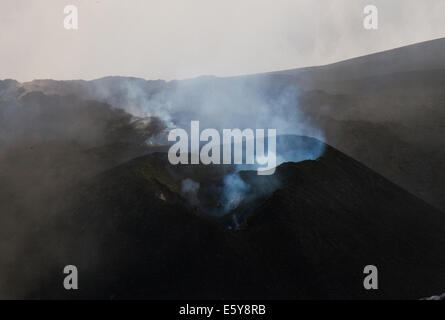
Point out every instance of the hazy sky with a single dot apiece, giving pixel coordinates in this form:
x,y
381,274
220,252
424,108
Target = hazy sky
x,y
171,39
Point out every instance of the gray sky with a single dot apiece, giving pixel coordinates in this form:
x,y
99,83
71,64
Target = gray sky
x,y
171,39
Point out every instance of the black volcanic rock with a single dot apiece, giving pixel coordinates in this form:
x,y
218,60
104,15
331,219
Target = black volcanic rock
x,y
132,233
334,206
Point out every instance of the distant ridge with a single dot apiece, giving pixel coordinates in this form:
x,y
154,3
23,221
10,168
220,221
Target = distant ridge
x,y
428,55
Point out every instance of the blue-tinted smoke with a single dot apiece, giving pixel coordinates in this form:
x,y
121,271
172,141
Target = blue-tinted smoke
x,y
234,191
290,148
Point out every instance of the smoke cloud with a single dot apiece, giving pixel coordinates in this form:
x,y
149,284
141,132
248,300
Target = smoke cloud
x,y
49,145
234,191
190,188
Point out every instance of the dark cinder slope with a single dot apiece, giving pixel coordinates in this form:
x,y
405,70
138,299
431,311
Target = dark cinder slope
x,y
132,234
421,56
386,110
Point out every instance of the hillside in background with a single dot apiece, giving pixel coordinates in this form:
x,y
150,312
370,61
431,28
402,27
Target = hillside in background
x,y
385,110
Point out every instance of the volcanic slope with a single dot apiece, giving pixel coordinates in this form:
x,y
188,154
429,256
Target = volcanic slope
x,y
133,234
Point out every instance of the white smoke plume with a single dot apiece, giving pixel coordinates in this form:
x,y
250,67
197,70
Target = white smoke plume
x,y
190,188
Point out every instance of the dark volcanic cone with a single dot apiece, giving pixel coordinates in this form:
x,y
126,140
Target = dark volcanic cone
x,y
132,233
